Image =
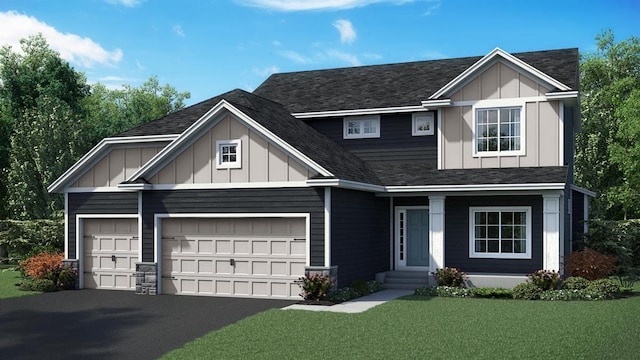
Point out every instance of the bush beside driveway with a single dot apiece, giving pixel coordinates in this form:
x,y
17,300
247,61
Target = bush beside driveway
x,y
101,324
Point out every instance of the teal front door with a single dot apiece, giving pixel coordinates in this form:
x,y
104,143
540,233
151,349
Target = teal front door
x,y
412,238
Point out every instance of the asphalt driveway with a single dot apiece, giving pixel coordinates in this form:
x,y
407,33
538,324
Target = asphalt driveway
x,y
98,324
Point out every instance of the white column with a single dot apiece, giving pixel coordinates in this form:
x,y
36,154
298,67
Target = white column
x,y
551,228
327,229
436,232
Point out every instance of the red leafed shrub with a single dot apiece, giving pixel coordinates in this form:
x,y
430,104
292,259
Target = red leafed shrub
x,y
589,264
42,266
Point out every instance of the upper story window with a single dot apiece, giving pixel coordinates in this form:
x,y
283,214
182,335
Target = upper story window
x,y
361,127
228,154
423,124
498,130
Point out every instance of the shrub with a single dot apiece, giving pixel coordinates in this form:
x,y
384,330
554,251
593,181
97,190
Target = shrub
x,y
42,285
67,278
545,279
607,287
570,294
361,287
619,238
343,294
375,286
426,291
526,291
453,291
492,293
450,277
575,283
26,238
43,266
315,287
589,264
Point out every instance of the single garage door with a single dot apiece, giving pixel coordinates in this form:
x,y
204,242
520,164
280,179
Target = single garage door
x,y
110,253
243,257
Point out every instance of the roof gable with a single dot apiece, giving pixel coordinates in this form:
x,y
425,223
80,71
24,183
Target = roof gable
x,y
265,117
396,85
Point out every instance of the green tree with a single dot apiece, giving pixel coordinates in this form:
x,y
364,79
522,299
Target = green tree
x,y
34,80
608,78
113,111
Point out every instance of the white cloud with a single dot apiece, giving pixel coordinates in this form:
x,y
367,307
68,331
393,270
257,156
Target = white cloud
x,y
266,71
433,6
73,48
294,56
343,56
346,30
304,5
127,3
178,30
276,43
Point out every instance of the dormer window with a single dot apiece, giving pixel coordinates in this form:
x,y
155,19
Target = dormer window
x,y
228,154
361,127
498,131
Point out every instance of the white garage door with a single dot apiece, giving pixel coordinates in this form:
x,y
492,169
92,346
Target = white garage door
x,y
110,253
243,257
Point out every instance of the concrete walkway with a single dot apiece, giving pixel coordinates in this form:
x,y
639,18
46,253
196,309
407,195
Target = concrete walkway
x,y
358,305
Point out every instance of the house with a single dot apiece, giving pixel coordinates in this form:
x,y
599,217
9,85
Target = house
x,y
390,170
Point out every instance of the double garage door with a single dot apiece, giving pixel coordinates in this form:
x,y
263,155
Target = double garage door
x,y
243,257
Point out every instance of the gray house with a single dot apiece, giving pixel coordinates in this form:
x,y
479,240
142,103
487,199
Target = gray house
x,y
390,170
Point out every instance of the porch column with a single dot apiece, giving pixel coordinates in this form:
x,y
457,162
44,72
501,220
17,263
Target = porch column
x,y
436,232
551,227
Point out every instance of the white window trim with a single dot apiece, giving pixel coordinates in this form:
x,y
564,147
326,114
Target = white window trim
x,y
525,255
362,135
493,104
414,124
229,165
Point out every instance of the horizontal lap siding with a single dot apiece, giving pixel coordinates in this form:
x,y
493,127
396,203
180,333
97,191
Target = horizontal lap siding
x,y
98,203
577,218
457,235
394,144
359,235
303,200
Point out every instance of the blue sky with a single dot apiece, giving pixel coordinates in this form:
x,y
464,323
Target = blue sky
x,y
210,47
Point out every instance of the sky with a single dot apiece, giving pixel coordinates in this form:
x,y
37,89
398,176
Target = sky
x,y
210,47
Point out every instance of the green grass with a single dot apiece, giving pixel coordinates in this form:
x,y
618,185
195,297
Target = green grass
x,y
8,279
442,328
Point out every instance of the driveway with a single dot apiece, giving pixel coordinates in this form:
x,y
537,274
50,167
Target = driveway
x,y
100,324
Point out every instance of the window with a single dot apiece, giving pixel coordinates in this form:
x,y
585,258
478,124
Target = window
x,y
362,127
500,232
423,124
228,154
498,130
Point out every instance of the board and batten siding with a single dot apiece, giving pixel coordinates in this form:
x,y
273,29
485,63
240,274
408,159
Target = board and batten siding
x,y
543,127
359,234
457,235
261,160
395,144
97,203
229,201
117,166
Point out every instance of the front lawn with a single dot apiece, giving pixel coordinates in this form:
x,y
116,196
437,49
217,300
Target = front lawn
x,y
443,328
8,279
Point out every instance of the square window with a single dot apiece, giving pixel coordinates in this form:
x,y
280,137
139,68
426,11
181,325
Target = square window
x,y
228,154
423,124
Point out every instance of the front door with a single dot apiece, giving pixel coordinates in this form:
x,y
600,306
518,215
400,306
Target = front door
x,y
412,238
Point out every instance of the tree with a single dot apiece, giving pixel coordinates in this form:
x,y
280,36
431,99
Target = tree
x,y
113,111
33,78
608,78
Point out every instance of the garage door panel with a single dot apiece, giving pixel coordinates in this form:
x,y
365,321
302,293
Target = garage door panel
x,y
110,253
245,257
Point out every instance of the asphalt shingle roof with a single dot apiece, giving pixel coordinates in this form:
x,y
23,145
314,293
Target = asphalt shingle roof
x,y
416,174
394,85
279,121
